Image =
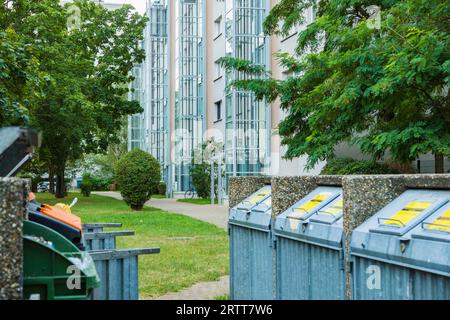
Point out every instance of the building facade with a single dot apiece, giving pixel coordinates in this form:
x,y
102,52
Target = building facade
x,y
184,94
183,90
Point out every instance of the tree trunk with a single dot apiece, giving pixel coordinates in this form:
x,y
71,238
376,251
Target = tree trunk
x,y
51,181
60,185
34,186
438,163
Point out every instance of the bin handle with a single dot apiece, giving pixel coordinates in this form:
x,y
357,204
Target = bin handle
x,y
336,218
423,224
390,219
296,218
262,203
293,209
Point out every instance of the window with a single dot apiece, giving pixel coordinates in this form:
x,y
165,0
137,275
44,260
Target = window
x,y
218,107
217,27
217,70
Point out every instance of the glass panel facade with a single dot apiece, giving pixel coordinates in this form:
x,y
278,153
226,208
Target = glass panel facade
x,y
158,80
136,122
189,91
247,120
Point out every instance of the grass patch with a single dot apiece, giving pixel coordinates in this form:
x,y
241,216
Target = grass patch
x,y
222,297
191,250
198,201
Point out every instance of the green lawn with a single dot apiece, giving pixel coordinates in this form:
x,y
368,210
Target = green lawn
x,y
191,250
199,201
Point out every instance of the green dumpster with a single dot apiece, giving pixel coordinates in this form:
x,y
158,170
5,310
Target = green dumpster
x,y
54,268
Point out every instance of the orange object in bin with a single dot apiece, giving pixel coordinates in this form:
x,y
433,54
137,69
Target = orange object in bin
x,y
62,216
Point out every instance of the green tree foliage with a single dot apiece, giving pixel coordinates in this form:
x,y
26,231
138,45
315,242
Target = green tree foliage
x,y
86,72
19,76
381,86
101,165
203,156
201,179
86,185
137,173
346,166
34,170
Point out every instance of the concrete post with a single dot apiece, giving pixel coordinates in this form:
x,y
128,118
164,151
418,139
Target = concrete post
x,y
13,201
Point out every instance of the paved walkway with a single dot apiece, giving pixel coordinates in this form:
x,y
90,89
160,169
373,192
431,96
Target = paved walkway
x,y
201,291
214,214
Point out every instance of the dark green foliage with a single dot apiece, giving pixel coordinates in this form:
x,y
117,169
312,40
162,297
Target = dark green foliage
x,y
138,174
19,75
347,166
203,155
382,88
162,188
159,189
33,170
201,179
86,185
101,183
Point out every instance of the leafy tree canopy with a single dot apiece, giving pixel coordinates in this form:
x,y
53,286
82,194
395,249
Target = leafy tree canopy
x,y
80,57
379,84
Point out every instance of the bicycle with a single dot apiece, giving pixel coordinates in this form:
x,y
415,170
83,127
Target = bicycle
x,y
190,194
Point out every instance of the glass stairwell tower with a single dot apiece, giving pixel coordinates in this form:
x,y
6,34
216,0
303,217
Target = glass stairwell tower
x,y
247,142
157,84
189,86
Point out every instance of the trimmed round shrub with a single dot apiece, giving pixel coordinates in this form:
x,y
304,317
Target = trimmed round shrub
x,y
348,166
137,174
86,185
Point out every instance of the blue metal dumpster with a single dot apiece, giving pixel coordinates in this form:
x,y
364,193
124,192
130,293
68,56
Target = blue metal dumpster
x,y
403,251
118,273
309,248
99,227
94,241
251,252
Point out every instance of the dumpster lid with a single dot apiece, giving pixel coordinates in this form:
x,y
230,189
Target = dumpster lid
x,y
255,198
255,211
265,205
408,210
435,227
331,213
313,202
16,146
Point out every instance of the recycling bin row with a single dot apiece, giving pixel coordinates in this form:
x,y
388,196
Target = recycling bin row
x,y
56,269
63,259
56,236
401,252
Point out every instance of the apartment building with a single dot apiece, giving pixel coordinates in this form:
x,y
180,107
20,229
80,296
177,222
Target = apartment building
x,y
183,89
184,93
